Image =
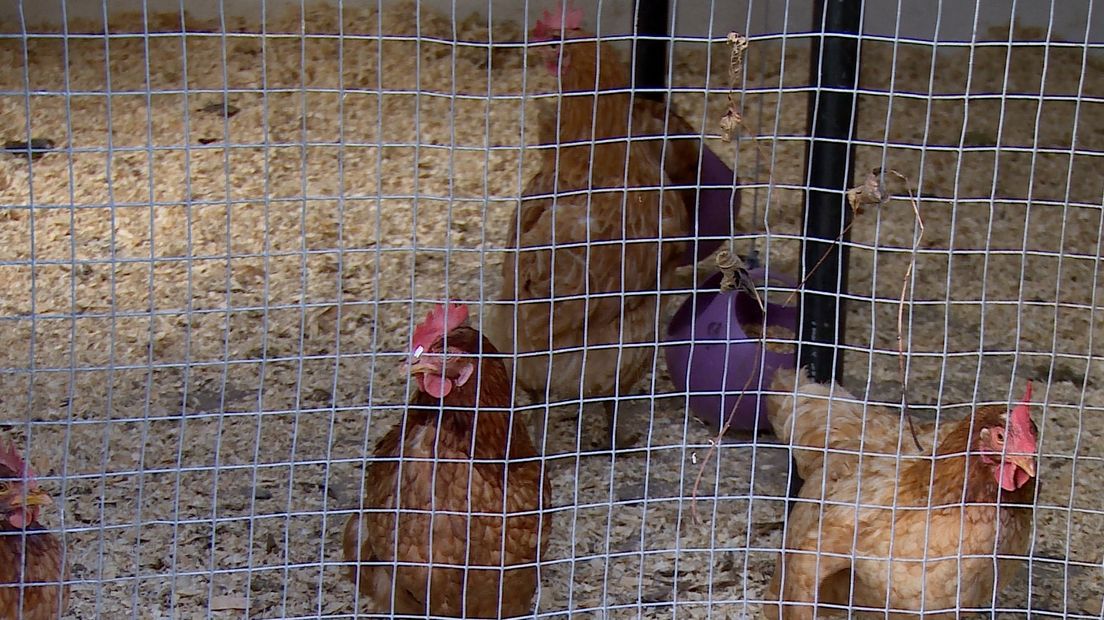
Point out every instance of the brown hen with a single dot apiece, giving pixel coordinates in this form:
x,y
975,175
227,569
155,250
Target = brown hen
x,y
590,265
486,497
28,554
926,530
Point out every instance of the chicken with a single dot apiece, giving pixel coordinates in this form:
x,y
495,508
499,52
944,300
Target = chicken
x,y
472,425
28,554
942,510
597,255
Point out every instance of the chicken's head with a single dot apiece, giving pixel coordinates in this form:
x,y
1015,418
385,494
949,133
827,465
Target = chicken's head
x,y
1008,441
20,496
557,24
436,365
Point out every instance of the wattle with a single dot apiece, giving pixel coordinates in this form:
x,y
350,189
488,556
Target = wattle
x,y
18,519
1011,477
436,385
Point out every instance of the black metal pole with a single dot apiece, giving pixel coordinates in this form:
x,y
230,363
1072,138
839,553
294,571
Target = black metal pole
x,y
652,20
828,160
828,163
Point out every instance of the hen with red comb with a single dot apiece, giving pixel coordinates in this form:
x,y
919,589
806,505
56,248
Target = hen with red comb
x,y
591,323
458,451
28,553
883,525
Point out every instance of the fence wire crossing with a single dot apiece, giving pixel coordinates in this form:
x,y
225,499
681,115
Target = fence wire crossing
x,y
433,309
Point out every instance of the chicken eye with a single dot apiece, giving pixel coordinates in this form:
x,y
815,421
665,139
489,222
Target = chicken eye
x,y
998,434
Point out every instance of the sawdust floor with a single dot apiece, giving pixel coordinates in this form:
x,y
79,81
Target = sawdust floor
x,y
205,375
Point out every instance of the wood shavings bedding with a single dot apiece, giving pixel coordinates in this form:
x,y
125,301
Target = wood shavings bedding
x,y
209,342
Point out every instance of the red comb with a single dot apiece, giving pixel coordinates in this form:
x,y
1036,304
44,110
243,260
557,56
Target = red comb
x,y
9,457
439,321
558,20
1021,414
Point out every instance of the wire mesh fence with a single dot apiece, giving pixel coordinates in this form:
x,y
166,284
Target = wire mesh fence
x,y
220,230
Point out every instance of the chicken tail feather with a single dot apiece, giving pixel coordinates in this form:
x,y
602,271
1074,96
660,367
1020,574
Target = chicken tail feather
x,y
780,407
800,416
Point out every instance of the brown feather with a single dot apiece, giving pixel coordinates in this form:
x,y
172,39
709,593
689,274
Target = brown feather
x,y
39,561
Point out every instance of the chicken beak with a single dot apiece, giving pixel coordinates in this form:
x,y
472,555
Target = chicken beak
x,y
423,367
34,498
548,53
1025,462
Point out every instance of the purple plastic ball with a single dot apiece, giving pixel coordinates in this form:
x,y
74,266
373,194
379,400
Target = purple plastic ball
x,y
718,340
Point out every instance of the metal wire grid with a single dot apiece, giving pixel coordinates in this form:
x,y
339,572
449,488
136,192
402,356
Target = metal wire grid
x,y
375,356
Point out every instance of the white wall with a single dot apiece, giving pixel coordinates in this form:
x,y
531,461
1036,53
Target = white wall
x,y
918,18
